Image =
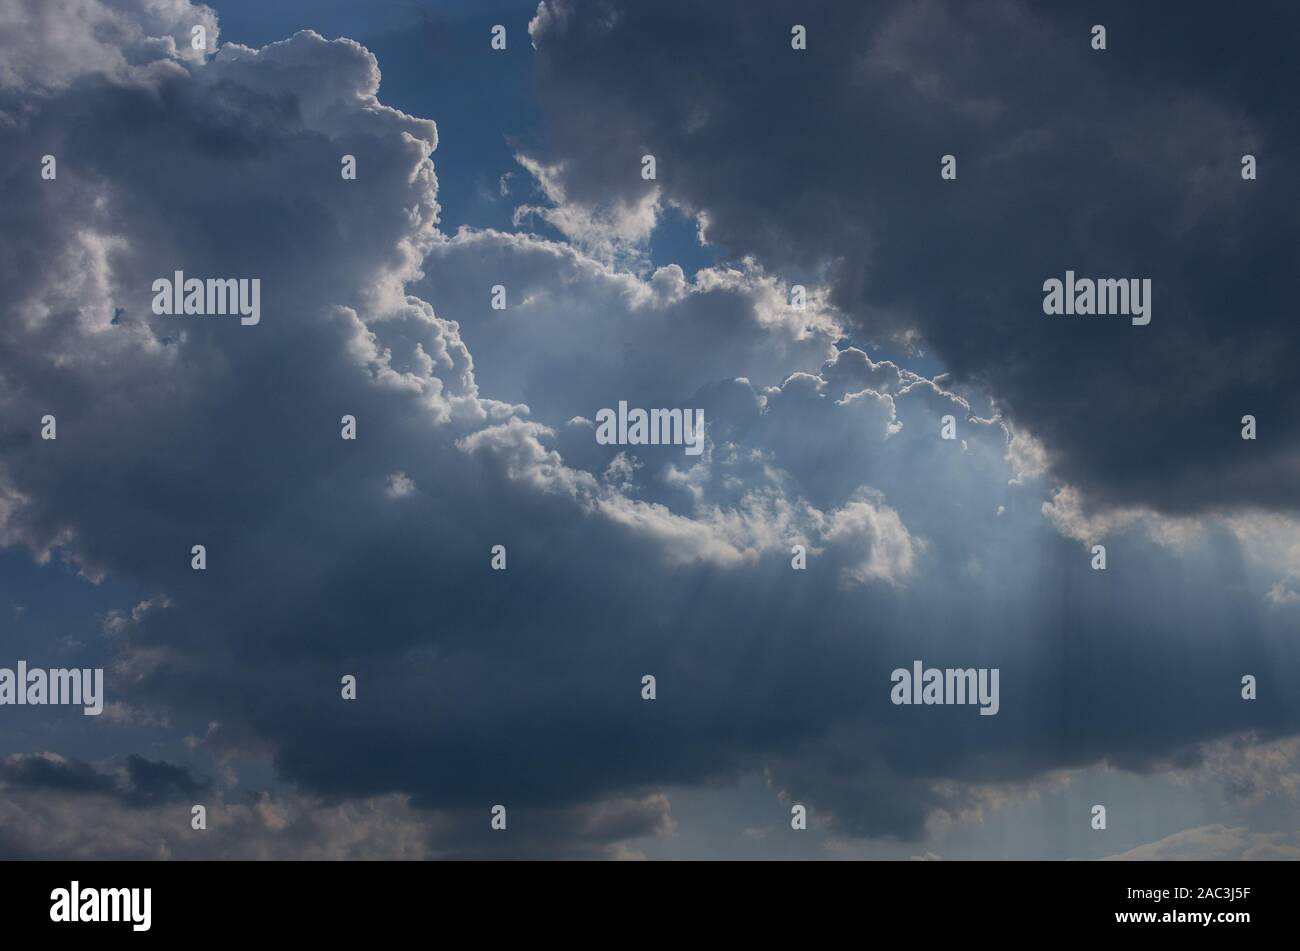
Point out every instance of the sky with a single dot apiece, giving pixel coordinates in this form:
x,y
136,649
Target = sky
x,y
393,635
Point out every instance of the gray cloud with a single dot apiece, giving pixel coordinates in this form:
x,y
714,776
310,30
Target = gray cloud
x,y
1113,164
1217,843
522,687
138,783
53,806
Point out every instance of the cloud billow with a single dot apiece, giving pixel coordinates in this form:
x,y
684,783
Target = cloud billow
x,y
372,557
1118,163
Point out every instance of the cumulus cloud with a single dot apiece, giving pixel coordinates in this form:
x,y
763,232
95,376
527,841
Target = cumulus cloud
x,y
130,41
371,557
825,163
614,232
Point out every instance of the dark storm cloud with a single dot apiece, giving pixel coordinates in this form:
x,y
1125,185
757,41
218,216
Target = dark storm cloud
x,y
52,772
1122,163
139,782
371,558
149,782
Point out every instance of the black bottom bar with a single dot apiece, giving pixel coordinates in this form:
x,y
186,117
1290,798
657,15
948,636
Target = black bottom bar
x,y
975,900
